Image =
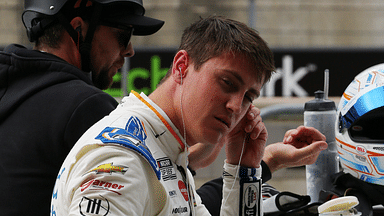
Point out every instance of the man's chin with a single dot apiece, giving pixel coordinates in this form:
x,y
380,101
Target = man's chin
x,y
103,84
213,140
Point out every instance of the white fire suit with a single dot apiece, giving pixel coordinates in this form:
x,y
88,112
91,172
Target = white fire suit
x,y
134,162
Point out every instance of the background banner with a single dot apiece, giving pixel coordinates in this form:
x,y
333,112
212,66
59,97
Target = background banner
x,y
300,72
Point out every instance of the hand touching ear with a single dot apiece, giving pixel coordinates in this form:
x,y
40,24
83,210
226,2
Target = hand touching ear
x,y
251,133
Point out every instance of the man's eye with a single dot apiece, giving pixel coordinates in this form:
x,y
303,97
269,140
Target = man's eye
x,y
227,82
249,98
124,37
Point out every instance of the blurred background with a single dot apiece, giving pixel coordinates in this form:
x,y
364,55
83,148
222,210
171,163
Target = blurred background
x,y
293,23
307,37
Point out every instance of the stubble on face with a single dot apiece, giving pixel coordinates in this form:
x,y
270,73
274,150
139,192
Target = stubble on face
x,y
106,57
102,80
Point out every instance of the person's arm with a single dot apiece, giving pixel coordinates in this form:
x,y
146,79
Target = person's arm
x,y
202,155
109,179
300,146
244,147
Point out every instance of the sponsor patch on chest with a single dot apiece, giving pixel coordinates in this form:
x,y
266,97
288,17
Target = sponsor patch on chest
x,y
166,168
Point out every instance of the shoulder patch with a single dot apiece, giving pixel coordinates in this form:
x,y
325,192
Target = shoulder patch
x,y
132,137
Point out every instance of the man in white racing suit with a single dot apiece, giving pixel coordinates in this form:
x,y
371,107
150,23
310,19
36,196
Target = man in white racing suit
x,y
134,161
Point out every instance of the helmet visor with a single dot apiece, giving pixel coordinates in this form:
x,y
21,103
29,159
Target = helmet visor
x,y
363,116
369,127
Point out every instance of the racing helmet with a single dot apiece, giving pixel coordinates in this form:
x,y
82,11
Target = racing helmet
x,y
360,126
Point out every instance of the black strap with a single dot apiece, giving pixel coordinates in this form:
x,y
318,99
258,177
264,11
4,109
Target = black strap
x,y
85,47
38,29
71,31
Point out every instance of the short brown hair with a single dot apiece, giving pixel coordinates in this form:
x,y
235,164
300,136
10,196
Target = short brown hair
x,y
51,36
212,36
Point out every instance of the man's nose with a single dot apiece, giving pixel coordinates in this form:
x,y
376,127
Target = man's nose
x,y
235,103
129,51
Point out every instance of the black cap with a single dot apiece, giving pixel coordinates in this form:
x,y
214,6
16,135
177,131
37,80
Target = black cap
x,y
130,13
121,12
142,25
319,103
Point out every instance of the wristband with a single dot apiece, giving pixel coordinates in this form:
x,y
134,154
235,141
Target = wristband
x,y
250,188
232,170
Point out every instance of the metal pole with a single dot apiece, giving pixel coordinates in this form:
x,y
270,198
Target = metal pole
x,y
252,11
124,76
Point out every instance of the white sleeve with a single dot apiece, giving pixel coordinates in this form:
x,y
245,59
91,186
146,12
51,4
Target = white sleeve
x,y
241,191
116,181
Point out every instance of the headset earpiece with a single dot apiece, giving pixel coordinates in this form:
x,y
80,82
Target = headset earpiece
x,y
80,37
182,69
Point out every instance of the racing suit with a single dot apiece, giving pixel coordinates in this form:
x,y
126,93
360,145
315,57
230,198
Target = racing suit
x,y
134,162
46,104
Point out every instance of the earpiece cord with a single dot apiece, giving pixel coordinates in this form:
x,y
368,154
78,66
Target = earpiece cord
x,y
237,170
181,110
185,141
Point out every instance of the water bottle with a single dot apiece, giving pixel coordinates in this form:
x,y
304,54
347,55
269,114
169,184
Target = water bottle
x,y
320,113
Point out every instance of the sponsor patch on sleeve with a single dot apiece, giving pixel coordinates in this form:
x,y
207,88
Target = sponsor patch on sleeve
x,y
95,184
94,206
132,137
250,192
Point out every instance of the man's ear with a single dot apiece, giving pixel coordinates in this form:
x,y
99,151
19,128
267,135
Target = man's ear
x,y
80,26
180,65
